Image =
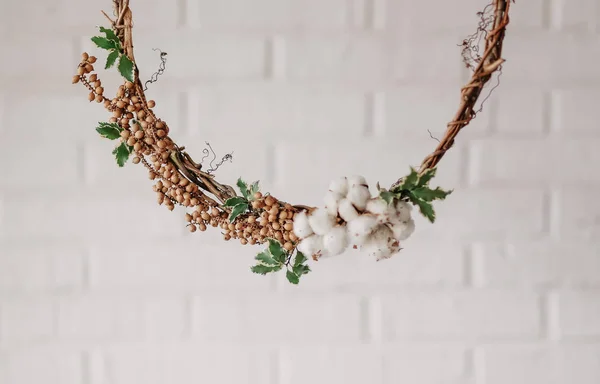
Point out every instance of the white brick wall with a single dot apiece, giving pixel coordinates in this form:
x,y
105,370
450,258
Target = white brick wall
x,y
98,285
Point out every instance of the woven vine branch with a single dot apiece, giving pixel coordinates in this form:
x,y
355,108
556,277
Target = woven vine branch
x,y
351,216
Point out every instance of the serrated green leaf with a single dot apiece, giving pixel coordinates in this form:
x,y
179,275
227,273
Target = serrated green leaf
x,y
266,258
243,187
277,251
254,188
264,269
425,207
122,153
426,177
292,277
409,181
237,210
109,131
103,42
235,201
126,67
301,269
428,194
300,259
387,196
110,35
111,59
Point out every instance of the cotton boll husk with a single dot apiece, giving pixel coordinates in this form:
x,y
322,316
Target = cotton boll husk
x,y
381,244
302,227
312,245
336,241
361,227
321,221
404,229
347,211
357,180
331,202
403,210
358,196
339,186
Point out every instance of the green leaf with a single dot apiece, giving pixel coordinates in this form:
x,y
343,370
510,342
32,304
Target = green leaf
x,y
277,251
122,153
265,258
301,269
426,177
235,201
243,187
425,207
409,181
237,210
300,259
254,188
428,194
126,67
110,35
110,131
292,277
264,269
111,59
387,196
103,42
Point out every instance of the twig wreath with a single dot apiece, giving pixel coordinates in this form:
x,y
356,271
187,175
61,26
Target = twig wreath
x,y
350,217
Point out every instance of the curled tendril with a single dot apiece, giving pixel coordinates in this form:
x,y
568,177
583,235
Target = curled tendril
x,y
208,151
160,71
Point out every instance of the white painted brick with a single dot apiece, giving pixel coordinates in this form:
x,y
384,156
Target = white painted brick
x,y
420,263
33,170
537,263
55,57
578,313
178,267
276,111
554,364
51,365
181,363
566,58
421,364
574,111
498,162
575,15
416,109
468,315
108,317
40,267
260,319
517,110
270,15
424,60
351,59
26,320
350,365
60,216
476,212
578,213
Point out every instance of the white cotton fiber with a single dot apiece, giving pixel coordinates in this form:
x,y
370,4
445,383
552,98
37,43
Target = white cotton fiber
x,y
302,227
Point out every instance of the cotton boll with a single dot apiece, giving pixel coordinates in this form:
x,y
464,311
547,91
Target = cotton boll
x,y
384,211
302,227
347,211
358,196
403,230
331,202
357,180
311,246
361,227
321,221
381,244
403,210
339,186
336,241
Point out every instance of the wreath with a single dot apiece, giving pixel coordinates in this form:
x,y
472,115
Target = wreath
x,y
350,217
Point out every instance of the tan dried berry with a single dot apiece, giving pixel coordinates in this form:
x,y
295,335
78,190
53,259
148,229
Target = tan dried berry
x,y
129,85
91,96
85,56
288,246
269,201
99,98
92,59
192,228
136,160
76,79
151,103
93,77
